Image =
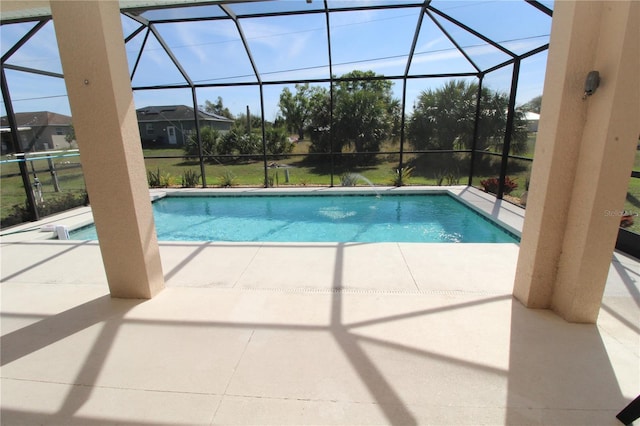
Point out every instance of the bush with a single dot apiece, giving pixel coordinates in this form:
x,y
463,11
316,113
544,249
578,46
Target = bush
x,y
491,185
452,177
210,140
349,179
238,142
227,179
190,179
278,141
55,204
159,180
320,139
153,178
401,176
272,180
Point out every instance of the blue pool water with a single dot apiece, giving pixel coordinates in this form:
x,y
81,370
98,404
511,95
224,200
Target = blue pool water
x,y
359,218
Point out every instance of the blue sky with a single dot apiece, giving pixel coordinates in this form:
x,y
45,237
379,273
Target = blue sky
x,y
295,47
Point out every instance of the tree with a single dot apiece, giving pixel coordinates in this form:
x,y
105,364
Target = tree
x,y
71,135
320,120
493,124
364,111
295,108
443,119
255,123
533,105
217,108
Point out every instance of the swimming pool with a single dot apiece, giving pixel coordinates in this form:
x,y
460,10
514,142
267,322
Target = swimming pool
x,y
438,218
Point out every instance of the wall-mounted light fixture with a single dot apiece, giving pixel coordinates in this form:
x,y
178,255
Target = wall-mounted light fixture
x,y
591,83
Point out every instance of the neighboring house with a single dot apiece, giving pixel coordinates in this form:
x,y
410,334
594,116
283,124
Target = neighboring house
x,y
173,124
532,121
38,131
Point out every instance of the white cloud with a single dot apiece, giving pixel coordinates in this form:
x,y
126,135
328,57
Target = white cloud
x,y
195,40
265,34
432,43
185,36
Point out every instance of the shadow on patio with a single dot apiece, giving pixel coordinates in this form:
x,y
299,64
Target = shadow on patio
x,y
299,351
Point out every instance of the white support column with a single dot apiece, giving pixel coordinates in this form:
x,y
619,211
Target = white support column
x,y
94,62
583,159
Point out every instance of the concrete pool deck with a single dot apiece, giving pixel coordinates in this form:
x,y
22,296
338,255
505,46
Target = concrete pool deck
x,y
266,333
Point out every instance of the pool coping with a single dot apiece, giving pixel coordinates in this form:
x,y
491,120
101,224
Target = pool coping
x,y
505,214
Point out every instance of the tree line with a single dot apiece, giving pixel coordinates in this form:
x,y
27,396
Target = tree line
x,y
365,115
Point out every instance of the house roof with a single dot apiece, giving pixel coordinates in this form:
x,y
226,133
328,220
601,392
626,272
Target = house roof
x,y
38,119
175,113
531,116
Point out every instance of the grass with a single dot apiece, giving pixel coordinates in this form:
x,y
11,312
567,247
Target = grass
x,y
70,179
632,202
302,172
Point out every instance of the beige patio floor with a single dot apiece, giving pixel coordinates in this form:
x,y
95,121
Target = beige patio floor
x,y
386,333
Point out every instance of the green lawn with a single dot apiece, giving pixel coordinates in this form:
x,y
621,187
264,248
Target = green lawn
x,y
632,203
70,182
301,171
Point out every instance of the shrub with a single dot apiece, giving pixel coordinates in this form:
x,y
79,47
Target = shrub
x,y
153,178
53,204
349,179
491,185
159,180
210,140
236,141
273,180
227,179
278,141
190,179
166,180
452,177
402,175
